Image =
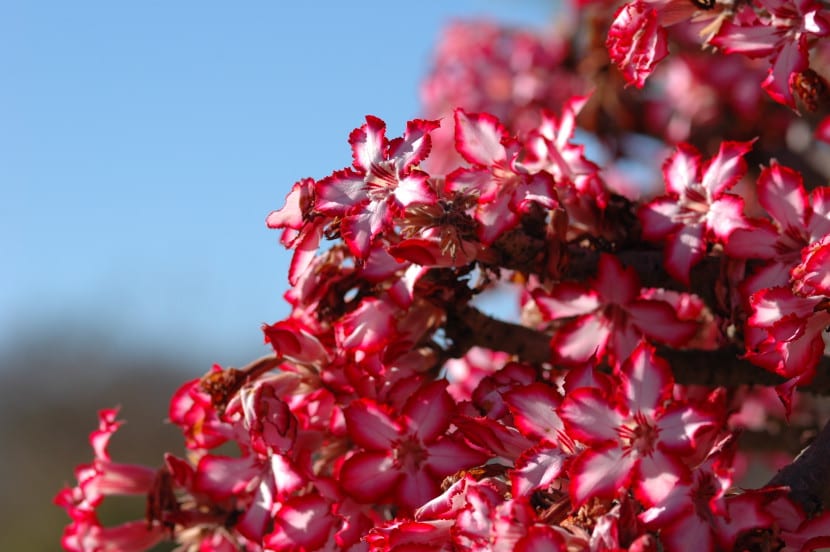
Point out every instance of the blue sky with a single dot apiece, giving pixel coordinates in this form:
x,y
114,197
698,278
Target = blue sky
x,y
142,145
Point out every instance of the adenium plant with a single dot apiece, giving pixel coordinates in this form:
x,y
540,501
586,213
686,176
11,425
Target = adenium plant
x,y
673,279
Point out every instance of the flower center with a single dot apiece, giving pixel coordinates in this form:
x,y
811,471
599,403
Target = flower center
x,y
790,244
693,205
641,436
702,494
409,455
380,181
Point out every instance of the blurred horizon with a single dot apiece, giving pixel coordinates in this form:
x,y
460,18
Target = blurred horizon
x,y
143,147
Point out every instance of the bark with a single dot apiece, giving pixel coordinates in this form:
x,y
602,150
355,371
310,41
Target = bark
x,y
808,476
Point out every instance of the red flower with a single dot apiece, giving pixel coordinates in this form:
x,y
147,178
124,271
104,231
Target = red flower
x,y
100,479
404,457
696,209
611,316
780,32
811,276
385,177
798,219
504,187
795,328
636,41
638,440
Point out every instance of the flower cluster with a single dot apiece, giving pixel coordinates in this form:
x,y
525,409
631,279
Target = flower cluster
x,y
394,414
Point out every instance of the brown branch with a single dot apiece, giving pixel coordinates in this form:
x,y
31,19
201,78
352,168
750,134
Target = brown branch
x,y
469,327
808,476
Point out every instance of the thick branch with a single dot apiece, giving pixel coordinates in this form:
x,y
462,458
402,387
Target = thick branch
x,y
470,327
724,367
808,476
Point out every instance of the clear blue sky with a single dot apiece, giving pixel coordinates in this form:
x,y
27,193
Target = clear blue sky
x,y
142,144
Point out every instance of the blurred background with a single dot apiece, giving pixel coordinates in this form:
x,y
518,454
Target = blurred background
x,y
141,147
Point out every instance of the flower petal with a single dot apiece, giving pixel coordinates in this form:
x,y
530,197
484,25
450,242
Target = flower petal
x,y
478,137
756,242
302,523
636,41
580,340
450,454
657,476
370,426
416,489
589,417
369,476
429,411
781,192
534,410
726,215
685,249
368,143
658,218
659,321
791,58
726,168
681,169
680,426
567,299
647,380
536,468
599,472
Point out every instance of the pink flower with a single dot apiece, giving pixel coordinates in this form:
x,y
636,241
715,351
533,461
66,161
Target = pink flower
x,y
98,480
504,187
701,510
576,179
385,177
192,410
637,441
781,32
696,209
303,227
812,276
798,219
610,316
636,42
550,149
795,328
404,457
